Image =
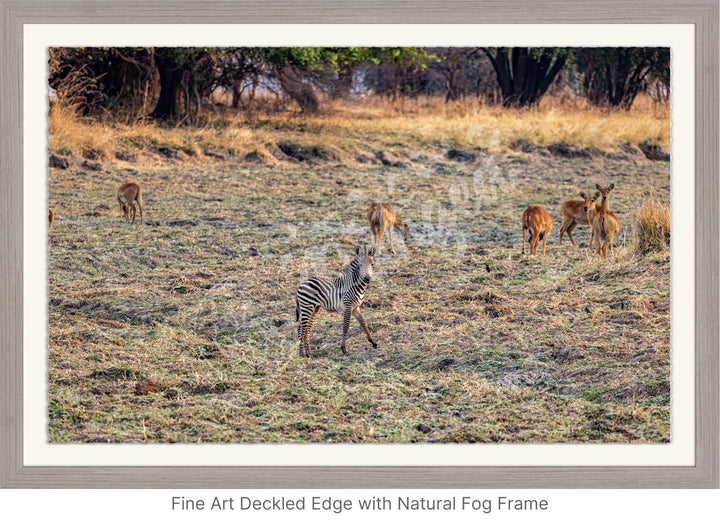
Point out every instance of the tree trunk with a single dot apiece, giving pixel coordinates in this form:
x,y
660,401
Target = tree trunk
x,y
171,76
291,81
524,76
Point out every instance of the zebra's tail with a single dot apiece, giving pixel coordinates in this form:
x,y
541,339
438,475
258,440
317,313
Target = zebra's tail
x,y
297,309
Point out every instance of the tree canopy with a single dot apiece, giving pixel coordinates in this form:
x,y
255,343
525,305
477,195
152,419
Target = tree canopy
x,y
173,83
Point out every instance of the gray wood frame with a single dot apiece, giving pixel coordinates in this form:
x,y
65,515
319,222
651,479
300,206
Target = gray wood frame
x,y
702,13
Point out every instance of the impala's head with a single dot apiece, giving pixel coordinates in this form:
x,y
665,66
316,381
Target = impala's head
x,y
365,260
589,200
604,192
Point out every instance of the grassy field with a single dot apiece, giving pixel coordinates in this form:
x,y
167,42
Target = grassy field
x,y
183,330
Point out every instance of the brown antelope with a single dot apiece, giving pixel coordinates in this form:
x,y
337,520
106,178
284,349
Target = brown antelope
x,y
590,209
573,214
539,222
605,224
51,219
381,216
127,195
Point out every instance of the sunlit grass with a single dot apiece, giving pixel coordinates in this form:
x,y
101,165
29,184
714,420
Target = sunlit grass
x,y
350,127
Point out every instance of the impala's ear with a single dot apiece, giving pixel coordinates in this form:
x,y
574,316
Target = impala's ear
x,y
371,252
597,194
357,250
598,186
611,186
582,194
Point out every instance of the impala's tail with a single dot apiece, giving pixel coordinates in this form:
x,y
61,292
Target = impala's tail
x,y
377,215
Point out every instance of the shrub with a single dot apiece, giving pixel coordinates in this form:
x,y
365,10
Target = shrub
x,y
651,227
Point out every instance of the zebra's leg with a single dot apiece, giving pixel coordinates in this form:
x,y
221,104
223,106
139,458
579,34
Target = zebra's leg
x,y
306,321
346,326
364,325
306,331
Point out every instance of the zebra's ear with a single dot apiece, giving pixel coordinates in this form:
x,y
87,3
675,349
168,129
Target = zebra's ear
x,y
357,250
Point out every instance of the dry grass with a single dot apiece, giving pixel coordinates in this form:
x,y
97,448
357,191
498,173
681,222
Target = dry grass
x,y
351,131
651,227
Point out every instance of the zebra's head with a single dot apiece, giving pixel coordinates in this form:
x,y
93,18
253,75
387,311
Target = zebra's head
x,y
365,260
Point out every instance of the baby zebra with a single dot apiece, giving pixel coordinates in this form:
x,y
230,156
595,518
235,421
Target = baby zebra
x,y
342,294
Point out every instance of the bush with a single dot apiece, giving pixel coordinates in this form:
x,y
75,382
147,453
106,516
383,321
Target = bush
x,y
651,227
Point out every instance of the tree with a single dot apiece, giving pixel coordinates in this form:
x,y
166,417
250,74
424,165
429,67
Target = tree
x,y
171,63
614,76
525,73
396,71
460,69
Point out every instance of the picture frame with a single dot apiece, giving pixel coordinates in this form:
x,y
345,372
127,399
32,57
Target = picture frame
x,y
703,14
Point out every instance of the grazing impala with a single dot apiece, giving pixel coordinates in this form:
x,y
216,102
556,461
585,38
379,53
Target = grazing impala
x,y
381,216
128,194
539,222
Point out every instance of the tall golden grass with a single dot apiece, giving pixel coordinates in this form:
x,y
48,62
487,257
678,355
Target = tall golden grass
x,y
651,227
373,122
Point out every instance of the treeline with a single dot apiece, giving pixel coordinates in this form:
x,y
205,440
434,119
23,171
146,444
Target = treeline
x,y
176,83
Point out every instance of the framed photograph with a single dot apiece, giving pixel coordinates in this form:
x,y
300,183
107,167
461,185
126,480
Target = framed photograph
x,y
328,245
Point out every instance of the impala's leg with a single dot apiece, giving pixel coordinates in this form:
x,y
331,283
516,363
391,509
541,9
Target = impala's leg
x,y
139,201
364,325
569,232
545,238
524,235
346,326
564,228
531,242
381,232
132,208
392,250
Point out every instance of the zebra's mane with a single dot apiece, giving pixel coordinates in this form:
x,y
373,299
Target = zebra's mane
x,y
352,269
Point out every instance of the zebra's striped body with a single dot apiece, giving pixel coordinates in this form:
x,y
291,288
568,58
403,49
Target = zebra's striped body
x,y
342,294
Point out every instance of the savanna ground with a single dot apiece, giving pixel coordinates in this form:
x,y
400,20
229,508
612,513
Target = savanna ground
x,y
183,330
